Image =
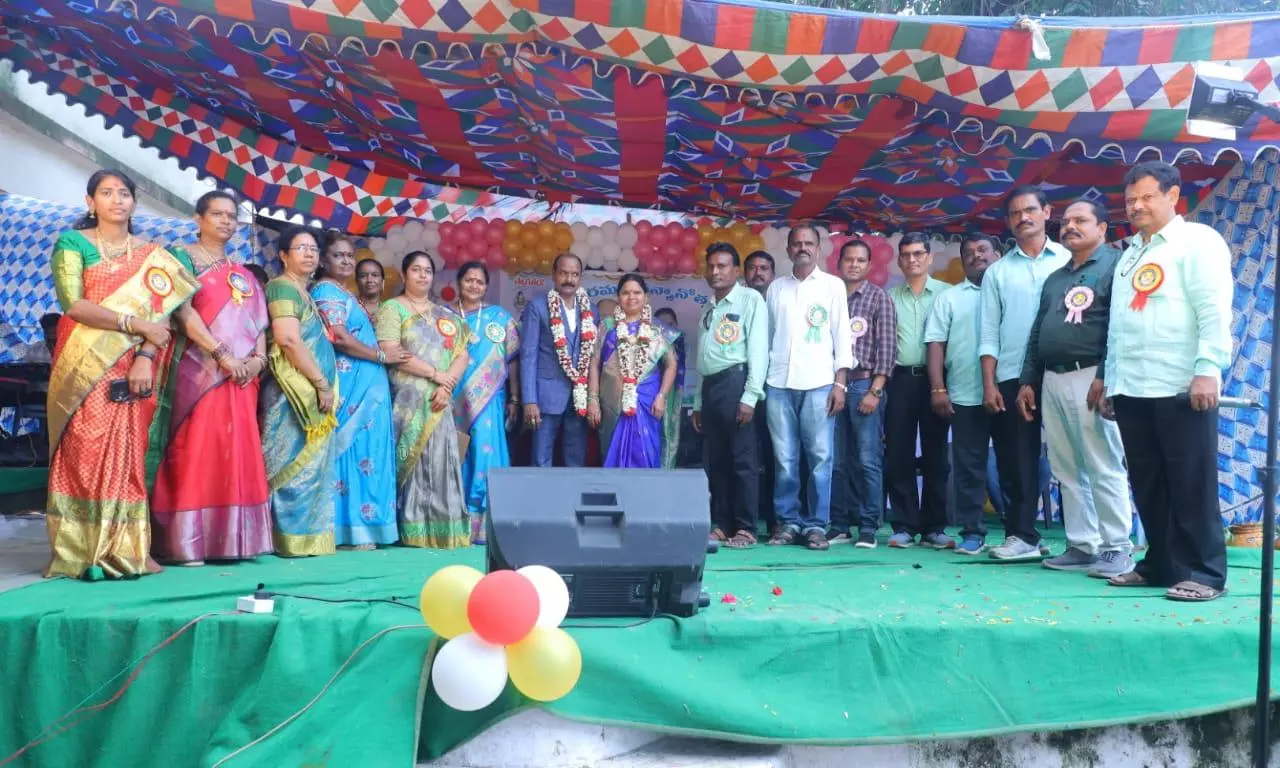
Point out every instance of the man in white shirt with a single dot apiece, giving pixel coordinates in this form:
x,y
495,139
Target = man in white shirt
x,y
1169,340
811,348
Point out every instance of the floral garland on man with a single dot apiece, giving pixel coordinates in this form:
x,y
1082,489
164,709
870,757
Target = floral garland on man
x,y
633,355
575,370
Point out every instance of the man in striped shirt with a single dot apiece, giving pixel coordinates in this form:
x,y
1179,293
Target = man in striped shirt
x,y
857,481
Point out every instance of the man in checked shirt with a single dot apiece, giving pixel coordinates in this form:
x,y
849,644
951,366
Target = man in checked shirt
x,y
857,481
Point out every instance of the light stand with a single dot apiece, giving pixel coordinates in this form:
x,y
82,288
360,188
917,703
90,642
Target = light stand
x,y
1228,102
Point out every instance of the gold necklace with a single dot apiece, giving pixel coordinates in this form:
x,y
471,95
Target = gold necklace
x,y
113,260
210,261
415,306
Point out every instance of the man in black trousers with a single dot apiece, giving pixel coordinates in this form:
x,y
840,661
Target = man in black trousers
x,y
733,358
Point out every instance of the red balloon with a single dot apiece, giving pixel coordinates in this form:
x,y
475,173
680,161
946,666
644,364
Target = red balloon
x,y
643,228
659,236
448,249
495,233
658,265
448,293
477,249
675,230
461,235
503,608
881,253
689,240
446,230
479,226
686,266
672,251
878,275
497,259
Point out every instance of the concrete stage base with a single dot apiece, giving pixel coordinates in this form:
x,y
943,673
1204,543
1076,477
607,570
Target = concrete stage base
x,y
534,739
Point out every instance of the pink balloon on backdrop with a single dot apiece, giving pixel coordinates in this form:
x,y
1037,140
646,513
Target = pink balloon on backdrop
x,y
689,240
462,235
658,265
659,236
497,258
477,249
643,228
879,275
672,251
675,230
882,252
495,233
446,231
833,258
479,227
448,249
686,266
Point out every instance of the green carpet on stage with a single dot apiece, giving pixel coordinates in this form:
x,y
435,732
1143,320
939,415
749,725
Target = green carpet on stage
x,y
859,647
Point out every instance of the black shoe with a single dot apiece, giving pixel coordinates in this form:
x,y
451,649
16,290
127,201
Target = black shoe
x,y
866,541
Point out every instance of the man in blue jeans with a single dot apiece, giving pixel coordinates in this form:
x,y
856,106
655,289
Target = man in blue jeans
x,y
810,350
857,483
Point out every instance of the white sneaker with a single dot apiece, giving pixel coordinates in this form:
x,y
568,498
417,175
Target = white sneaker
x,y
1015,549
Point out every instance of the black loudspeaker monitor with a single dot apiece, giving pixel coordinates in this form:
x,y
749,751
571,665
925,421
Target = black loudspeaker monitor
x,y
629,542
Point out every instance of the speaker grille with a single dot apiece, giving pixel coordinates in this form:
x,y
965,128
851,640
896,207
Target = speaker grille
x,y
618,593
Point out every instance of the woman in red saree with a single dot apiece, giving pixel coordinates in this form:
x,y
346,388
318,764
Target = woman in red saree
x,y
116,294
210,497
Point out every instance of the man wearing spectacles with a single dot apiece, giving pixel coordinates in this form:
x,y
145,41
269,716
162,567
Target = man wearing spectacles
x,y
733,355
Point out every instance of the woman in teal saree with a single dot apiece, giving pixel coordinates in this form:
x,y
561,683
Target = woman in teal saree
x,y
486,403
298,401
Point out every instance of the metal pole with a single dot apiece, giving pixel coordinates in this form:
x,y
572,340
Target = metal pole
x,y
1262,709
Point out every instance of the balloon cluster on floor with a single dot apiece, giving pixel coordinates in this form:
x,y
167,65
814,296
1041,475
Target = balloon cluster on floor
x,y
500,625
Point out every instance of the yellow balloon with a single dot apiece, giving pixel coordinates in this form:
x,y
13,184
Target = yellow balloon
x,y
392,282
444,600
546,664
365,253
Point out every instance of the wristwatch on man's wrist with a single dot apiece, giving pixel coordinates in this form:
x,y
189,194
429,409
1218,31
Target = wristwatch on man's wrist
x,y
876,392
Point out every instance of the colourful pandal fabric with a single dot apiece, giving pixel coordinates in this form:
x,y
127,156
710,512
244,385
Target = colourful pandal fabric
x,y
479,405
431,509
210,499
297,438
364,445
97,509
632,441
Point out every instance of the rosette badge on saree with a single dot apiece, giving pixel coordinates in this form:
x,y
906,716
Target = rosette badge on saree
x,y
152,293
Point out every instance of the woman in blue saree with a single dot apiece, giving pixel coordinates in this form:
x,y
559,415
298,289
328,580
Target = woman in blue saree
x,y
631,377
364,445
486,402
298,401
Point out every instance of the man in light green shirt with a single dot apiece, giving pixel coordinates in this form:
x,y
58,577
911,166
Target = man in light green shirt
x,y
1169,340
1010,300
916,510
733,357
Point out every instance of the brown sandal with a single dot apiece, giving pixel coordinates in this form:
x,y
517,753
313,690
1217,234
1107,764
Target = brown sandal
x,y
1130,579
816,540
783,537
741,540
718,535
1193,592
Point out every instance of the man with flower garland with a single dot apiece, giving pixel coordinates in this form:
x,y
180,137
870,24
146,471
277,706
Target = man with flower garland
x,y
810,355
557,340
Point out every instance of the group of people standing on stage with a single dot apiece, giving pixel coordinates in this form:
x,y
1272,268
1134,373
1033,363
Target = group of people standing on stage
x,y
199,411
1118,355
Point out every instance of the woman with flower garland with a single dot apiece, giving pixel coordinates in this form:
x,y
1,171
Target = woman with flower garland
x,y
488,402
628,392
432,509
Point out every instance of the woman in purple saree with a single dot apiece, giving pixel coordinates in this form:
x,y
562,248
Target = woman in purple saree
x,y
631,376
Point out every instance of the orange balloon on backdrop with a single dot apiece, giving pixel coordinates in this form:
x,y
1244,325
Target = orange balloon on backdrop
x,y
563,239
739,233
393,284
528,260
706,234
546,230
512,247
529,236
546,251
513,228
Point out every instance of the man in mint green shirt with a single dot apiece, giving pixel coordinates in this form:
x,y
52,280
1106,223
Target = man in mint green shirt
x,y
1010,300
955,386
733,358
1167,345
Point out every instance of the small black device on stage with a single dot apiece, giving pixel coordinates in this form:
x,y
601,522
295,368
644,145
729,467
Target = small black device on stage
x,y
628,542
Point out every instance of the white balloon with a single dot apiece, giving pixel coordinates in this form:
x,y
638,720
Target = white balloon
x,y
612,251
593,259
580,249
468,673
397,229
610,231
432,226
579,231
413,231
627,235
398,242
595,237
429,240
627,261
378,246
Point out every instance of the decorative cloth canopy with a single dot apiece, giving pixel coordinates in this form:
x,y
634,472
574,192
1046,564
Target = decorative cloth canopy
x,y
365,112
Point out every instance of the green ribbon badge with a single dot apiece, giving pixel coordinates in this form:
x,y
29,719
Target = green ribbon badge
x,y
816,317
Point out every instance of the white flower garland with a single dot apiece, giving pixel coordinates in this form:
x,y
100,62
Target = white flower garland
x,y
633,355
586,347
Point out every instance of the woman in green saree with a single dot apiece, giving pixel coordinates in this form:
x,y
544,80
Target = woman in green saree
x,y
431,508
298,419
